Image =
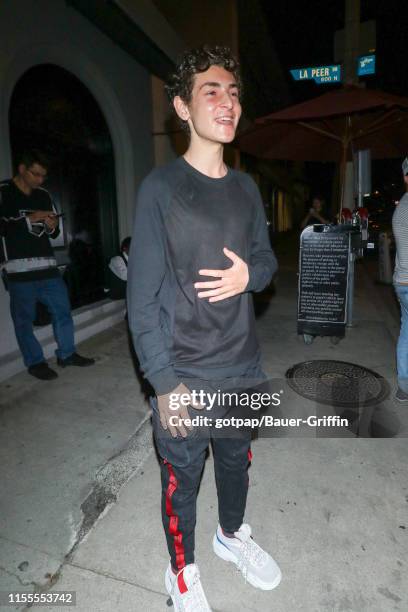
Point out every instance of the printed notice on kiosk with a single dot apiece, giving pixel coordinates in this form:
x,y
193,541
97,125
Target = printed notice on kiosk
x,y
323,277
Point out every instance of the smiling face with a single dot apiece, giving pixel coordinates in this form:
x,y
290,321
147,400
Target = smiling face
x,y
214,109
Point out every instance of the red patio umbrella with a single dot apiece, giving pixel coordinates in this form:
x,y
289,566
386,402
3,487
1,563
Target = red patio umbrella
x,y
331,127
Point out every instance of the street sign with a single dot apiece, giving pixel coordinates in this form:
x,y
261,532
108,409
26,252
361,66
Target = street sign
x,y
366,65
320,74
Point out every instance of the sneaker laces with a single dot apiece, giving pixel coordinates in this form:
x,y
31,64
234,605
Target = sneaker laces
x,y
193,600
250,554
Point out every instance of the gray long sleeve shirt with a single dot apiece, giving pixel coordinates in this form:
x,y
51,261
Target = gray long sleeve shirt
x,y
183,221
400,231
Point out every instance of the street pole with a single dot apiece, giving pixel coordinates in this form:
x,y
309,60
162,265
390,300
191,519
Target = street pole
x,y
351,53
351,41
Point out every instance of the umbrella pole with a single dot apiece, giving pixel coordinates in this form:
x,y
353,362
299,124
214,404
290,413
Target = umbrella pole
x,y
343,166
350,273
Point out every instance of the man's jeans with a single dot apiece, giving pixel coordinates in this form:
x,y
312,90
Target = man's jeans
x,y
53,294
402,346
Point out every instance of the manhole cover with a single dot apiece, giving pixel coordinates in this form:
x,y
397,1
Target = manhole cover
x,y
337,383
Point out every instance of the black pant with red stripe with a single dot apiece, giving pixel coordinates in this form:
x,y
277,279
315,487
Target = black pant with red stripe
x,y
182,462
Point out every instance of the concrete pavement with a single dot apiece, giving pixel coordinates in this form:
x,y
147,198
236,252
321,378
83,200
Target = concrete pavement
x,y
66,447
80,509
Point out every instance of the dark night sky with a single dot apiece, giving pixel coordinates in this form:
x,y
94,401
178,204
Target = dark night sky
x,y
303,35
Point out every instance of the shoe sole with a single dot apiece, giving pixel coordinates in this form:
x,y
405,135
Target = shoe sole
x,y
43,377
74,365
401,401
225,554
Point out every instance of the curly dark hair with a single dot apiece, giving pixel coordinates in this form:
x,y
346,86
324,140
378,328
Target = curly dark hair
x,y
181,82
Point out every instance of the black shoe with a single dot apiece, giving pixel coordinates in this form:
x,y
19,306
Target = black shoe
x,y
42,371
75,360
401,396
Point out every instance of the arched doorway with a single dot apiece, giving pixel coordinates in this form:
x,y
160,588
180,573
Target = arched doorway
x,y
52,110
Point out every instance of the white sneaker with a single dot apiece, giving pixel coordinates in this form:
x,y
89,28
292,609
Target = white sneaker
x,y
256,565
185,589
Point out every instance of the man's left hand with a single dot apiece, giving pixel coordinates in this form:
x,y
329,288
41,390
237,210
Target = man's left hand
x,y
51,221
231,281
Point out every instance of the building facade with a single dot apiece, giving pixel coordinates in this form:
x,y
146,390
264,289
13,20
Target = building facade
x,y
54,34
86,79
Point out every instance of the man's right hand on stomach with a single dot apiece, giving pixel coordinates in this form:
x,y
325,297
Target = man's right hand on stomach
x,y
170,405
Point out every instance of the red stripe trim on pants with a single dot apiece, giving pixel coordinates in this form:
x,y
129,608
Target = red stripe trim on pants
x,y
173,524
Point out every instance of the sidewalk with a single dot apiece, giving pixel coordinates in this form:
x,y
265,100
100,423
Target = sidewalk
x,y
333,512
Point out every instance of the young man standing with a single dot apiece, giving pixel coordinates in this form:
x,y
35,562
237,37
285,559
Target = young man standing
x,y
27,221
200,246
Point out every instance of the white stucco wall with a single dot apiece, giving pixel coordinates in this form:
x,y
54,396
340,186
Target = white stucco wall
x,y
162,112
47,31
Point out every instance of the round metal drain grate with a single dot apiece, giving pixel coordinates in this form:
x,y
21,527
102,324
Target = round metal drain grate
x,y
337,383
